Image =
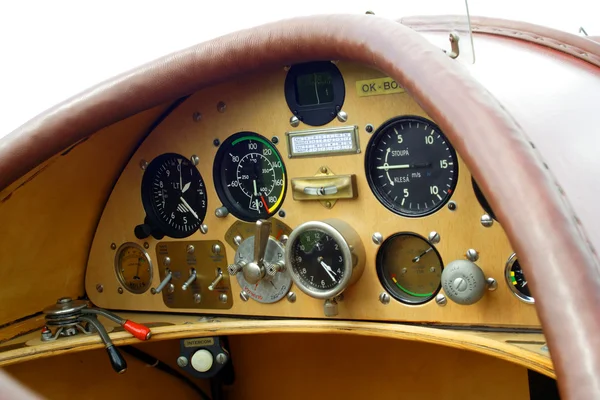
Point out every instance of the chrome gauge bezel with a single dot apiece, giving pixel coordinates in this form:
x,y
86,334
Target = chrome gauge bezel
x,y
346,253
509,264
120,276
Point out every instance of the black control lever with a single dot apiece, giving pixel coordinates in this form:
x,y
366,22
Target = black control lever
x,y
116,358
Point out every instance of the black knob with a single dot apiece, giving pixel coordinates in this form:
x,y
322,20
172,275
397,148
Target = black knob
x,y
116,359
142,231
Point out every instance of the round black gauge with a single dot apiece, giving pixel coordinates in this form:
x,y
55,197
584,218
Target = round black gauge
x,y
315,92
411,167
250,176
515,278
318,260
409,268
173,195
482,200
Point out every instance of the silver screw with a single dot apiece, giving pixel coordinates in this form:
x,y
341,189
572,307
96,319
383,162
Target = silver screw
x,y
197,116
244,295
291,297
486,220
237,240
440,299
432,269
492,284
170,288
221,212
190,249
146,245
221,358
113,246
221,106
195,159
167,261
283,239
342,116
120,290
377,238
384,298
204,228
223,298
197,298
472,255
452,206
216,248
182,361
294,121
143,164
434,237
99,288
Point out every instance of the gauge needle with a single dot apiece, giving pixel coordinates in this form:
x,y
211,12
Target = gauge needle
x,y
185,203
255,190
328,269
262,198
404,166
524,284
186,187
180,178
418,258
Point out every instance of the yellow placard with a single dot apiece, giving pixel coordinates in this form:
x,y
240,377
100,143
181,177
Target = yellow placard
x,y
376,87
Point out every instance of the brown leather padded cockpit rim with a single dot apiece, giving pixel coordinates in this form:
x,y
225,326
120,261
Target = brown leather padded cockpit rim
x,y
544,233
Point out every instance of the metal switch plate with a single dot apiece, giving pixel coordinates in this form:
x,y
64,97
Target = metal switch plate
x,y
180,260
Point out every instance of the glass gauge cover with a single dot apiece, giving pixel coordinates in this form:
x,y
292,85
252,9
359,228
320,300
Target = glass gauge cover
x,y
411,167
173,195
515,278
320,260
133,268
249,176
409,268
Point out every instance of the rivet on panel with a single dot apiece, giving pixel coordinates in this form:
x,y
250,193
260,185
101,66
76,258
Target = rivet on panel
x,y
221,107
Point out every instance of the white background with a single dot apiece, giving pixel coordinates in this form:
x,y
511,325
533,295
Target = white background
x,y
53,49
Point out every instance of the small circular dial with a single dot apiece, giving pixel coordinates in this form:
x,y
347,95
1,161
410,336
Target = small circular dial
x,y
411,167
249,176
409,268
318,260
324,257
515,278
174,195
133,268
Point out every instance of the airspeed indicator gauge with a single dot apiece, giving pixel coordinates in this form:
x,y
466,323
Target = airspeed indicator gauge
x,y
411,167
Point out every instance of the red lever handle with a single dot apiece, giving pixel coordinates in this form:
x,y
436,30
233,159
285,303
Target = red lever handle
x,y
138,330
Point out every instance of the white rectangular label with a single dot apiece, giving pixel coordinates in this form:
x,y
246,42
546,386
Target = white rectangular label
x,y
322,143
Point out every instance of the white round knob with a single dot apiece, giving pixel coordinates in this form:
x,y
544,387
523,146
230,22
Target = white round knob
x,y
202,360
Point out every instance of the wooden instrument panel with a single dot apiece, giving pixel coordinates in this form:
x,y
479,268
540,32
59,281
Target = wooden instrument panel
x,y
257,103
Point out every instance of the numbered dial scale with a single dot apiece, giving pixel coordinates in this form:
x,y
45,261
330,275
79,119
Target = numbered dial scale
x,y
249,176
409,268
324,257
411,167
133,268
173,195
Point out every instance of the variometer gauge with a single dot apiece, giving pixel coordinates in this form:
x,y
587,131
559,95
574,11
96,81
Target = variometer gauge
x,y
324,257
409,268
133,268
516,280
249,176
411,167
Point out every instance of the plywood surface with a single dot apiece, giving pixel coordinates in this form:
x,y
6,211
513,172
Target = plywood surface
x,y
257,104
292,366
48,218
505,346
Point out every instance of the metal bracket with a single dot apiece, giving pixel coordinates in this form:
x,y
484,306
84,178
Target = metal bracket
x,y
454,47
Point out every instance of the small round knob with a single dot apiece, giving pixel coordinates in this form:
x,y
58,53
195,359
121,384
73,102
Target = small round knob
x,y
253,272
202,360
464,282
274,268
233,269
142,231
